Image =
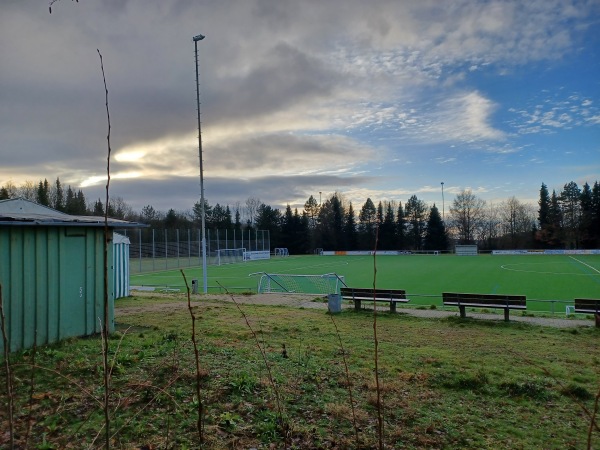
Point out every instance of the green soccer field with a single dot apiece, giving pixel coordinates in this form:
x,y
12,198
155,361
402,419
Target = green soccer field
x,y
550,282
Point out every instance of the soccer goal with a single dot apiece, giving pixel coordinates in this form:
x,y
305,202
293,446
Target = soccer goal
x,y
282,252
328,283
230,256
466,250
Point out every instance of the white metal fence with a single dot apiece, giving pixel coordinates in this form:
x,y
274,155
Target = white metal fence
x,y
162,249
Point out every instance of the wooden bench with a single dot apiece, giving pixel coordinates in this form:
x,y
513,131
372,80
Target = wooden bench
x,y
588,306
506,302
357,295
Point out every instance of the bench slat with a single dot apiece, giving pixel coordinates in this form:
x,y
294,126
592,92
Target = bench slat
x,y
391,296
587,305
500,301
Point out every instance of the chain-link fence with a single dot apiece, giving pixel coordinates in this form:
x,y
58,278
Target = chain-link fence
x,y
155,249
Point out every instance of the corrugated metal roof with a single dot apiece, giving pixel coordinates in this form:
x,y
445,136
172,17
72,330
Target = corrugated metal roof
x,y
18,211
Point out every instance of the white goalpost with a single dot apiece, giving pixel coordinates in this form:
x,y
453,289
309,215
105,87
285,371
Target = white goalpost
x,y
328,283
230,256
466,250
282,251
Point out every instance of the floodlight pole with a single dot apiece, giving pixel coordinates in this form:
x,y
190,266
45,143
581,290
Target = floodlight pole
x,y
443,212
202,209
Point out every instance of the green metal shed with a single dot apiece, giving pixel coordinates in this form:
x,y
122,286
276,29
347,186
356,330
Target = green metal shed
x,y
52,273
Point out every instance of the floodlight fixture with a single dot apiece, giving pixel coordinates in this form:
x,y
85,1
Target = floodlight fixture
x,y
198,38
443,206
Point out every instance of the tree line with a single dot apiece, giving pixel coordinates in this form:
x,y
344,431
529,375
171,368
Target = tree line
x,y
569,219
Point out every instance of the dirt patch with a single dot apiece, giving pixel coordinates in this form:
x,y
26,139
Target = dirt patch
x,y
179,301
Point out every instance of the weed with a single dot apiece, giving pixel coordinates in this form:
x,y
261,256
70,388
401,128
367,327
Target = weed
x,y
228,420
243,383
577,391
464,380
267,426
45,445
533,388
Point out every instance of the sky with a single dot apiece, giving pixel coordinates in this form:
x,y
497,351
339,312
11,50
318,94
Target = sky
x,y
380,99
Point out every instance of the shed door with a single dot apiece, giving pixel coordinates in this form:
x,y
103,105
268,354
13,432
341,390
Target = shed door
x,y
73,289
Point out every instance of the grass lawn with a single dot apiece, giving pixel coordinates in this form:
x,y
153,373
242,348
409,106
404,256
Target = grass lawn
x,y
444,383
542,278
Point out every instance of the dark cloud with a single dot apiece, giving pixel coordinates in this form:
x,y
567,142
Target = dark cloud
x,y
181,193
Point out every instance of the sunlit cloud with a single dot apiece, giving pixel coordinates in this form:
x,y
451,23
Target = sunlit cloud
x,y
99,179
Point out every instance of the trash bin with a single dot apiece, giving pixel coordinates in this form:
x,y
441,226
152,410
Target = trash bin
x,y
334,303
194,286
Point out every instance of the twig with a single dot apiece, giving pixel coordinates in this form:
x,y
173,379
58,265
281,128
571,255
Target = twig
x,y
380,429
200,421
52,2
590,415
105,329
348,382
112,366
60,375
284,427
9,385
31,390
593,420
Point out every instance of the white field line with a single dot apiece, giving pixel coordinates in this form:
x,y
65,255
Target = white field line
x,y
587,265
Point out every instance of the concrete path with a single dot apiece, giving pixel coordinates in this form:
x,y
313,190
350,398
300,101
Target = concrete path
x,y
300,301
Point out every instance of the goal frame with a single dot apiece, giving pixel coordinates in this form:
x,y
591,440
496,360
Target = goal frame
x,y
276,283
230,256
466,250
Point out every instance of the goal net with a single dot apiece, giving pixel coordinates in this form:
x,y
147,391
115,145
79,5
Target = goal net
x,y
466,250
230,256
282,252
329,283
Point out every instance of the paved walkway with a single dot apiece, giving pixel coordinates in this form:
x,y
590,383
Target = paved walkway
x,y
299,301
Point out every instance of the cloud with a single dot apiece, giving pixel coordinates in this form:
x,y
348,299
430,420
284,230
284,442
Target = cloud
x,y
323,95
555,111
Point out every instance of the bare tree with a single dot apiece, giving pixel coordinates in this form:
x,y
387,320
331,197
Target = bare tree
x,y
467,215
120,209
252,205
10,189
491,228
28,191
517,219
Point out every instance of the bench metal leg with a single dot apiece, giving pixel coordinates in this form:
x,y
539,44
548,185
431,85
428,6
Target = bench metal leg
x,y
506,315
356,304
463,313
393,307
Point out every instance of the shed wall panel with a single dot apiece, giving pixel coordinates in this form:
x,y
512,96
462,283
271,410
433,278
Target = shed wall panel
x,y
53,283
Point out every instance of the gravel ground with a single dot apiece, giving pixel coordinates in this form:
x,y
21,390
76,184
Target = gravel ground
x,y
307,301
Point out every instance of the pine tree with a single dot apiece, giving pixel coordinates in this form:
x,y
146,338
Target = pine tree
x,y
555,216
435,234
387,229
415,214
350,233
544,211
587,211
367,222
595,225
99,208
43,193
544,219
570,203
58,200
400,228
